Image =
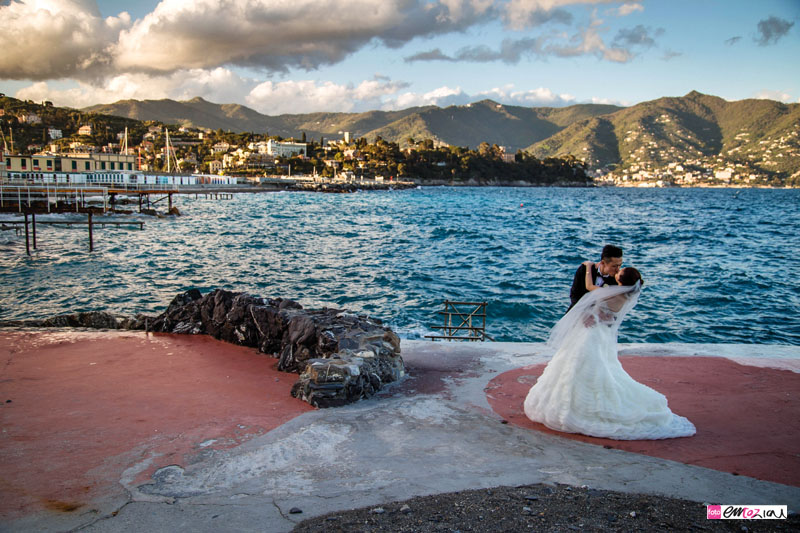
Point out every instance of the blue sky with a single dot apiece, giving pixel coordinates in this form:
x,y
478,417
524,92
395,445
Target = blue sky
x,y
297,56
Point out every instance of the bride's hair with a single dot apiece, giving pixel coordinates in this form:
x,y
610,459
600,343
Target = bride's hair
x,y
629,276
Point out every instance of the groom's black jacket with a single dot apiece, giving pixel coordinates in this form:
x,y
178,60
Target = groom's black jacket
x,y
579,283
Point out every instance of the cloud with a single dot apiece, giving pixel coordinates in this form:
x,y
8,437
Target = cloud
x,y
277,36
520,14
442,96
431,55
733,40
670,55
56,39
780,96
586,42
637,36
306,96
626,9
541,97
771,30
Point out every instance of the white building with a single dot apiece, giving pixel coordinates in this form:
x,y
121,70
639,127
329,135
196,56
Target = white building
x,y
220,148
285,149
54,133
724,175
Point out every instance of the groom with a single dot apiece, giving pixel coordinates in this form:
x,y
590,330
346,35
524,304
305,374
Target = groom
x,y
602,273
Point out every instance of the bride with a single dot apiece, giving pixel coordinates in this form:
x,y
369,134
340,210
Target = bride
x,y
584,388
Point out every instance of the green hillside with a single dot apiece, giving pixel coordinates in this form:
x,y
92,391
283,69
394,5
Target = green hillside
x,y
487,121
761,136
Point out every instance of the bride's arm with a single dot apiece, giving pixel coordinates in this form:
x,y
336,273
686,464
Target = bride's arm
x,y
590,286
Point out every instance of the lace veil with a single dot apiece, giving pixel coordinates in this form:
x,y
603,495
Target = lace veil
x,y
603,307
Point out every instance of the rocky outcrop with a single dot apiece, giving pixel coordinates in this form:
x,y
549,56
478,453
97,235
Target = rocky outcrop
x,y
341,357
89,319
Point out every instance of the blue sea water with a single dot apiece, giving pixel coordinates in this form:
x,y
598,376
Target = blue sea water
x,y
720,265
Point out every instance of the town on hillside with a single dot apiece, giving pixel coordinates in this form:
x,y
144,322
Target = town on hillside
x,y
655,164
41,140
35,149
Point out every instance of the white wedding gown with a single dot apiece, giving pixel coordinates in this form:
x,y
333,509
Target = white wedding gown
x,y
584,388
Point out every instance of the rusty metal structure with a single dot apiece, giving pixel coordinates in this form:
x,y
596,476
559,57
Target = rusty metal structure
x,y
463,321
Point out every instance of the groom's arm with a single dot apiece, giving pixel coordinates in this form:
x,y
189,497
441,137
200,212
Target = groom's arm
x,y
578,285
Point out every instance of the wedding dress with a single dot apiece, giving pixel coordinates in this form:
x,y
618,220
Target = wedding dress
x,y
584,388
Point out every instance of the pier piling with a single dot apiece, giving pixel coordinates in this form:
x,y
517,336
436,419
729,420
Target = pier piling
x,y
33,224
91,236
27,237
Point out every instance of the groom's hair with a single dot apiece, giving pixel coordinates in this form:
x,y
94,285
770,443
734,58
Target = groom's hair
x,y
609,251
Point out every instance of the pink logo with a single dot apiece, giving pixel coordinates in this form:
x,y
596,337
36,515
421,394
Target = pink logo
x,y
713,511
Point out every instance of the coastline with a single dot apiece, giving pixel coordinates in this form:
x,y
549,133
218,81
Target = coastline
x,y
192,427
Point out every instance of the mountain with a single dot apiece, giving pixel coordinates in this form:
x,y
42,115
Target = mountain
x,y
469,125
762,135
696,131
200,113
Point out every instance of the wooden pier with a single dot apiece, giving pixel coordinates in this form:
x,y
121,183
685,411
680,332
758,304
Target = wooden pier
x,y
30,227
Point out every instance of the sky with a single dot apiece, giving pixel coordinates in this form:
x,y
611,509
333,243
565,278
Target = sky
x,y
301,56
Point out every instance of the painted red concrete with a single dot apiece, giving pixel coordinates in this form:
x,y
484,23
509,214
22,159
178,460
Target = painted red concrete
x,y
747,418
79,408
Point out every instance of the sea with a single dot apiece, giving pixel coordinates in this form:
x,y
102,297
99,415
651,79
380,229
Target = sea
x,y
719,265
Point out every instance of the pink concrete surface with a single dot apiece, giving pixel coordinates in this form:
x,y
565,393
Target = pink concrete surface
x,y
747,418
80,411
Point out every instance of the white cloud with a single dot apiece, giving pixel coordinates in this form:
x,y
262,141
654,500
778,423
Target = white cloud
x,y
541,97
53,39
610,101
442,96
45,39
276,36
626,9
521,14
780,96
306,96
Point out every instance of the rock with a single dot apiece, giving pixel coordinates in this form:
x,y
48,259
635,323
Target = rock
x,y
90,319
378,510
295,510
405,509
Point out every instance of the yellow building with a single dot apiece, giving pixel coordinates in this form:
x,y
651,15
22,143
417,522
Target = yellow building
x,y
69,162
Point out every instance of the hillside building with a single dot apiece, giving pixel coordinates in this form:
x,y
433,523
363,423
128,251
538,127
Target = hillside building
x,y
285,149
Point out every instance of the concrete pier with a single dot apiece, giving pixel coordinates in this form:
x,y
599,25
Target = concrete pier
x,y
128,431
